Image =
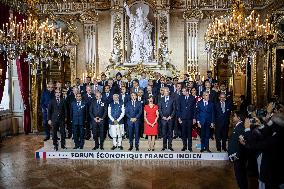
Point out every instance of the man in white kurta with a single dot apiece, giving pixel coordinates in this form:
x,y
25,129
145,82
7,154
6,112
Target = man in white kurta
x,y
116,112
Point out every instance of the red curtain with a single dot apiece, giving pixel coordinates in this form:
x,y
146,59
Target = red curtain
x,y
3,66
23,74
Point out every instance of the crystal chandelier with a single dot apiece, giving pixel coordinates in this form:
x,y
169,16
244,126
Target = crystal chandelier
x,y
41,42
237,36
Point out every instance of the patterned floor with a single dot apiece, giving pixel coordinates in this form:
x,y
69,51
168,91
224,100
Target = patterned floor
x,y
19,169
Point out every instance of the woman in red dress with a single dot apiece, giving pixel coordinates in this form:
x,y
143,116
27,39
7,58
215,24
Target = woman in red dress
x,y
151,115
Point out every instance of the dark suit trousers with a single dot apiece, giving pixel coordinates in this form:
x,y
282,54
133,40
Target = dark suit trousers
x,y
88,129
177,128
187,133
79,135
221,135
134,130
126,127
98,131
241,173
58,126
205,135
45,124
167,132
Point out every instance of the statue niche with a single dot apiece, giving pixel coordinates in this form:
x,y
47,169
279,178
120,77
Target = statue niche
x,y
140,48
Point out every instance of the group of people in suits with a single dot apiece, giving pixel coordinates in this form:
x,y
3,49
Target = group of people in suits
x,y
256,146
162,107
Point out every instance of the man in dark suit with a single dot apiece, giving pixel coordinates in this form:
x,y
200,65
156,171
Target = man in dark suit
x,y
67,105
222,120
103,81
79,85
212,93
210,79
186,117
128,83
176,95
78,114
149,92
107,95
124,97
205,119
167,110
158,100
88,97
114,89
170,85
133,111
162,83
56,118
199,88
237,152
229,96
118,82
135,88
156,81
45,99
98,113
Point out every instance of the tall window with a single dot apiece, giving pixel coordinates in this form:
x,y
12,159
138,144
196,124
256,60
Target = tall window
x,y
5,103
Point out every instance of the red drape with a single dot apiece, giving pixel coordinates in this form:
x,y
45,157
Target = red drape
x,y
23,74
3,66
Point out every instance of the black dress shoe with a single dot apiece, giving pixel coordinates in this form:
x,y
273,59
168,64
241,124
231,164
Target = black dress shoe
x,y
81,147
218,150
46,139
113,148
63,147
75,147
95,148
120,147
183,149
137,148
153,150
202,150
225,149
163,149
131,148
69,136
208,150
171,149
190,149
56,148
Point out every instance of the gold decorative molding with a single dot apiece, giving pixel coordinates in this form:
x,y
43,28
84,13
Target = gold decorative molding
x,y
89,16
273,55
116,55
254,79
193,14
73,63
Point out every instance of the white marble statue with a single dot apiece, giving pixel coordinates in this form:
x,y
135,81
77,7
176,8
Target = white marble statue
x,y
140,30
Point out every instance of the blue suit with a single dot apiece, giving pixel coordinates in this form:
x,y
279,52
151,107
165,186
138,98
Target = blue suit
x,y
107,98
133,111
45,99
205,116
186,112
78,115
166,109
222,121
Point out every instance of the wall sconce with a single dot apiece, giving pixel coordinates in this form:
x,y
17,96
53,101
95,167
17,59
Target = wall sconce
x,y
282,69
1,71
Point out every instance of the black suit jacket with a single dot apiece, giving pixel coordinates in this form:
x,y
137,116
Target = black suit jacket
x,y
167,109
222,119
98,110
186,108
57,112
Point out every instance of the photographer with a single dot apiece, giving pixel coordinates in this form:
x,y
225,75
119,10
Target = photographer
x,y
237,152
268,141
